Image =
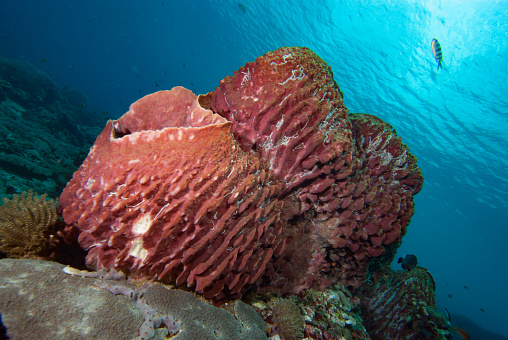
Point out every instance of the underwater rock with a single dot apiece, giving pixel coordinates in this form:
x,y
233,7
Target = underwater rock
x,y
39,301
45,131
401,305
276,188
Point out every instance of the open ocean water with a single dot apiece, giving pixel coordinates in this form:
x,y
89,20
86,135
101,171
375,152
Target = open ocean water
x,y
455,119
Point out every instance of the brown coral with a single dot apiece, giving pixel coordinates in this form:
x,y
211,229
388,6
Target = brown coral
x,y
26,221
289,318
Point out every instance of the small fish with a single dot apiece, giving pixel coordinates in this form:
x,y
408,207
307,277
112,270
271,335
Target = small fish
x,y
462,333
242,7
104,112
450,296
466,287
482,310
436,51
44,60
449,316
408,262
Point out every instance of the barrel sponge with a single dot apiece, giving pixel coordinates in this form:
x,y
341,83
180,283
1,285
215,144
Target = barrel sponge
x,y
176,199
267,183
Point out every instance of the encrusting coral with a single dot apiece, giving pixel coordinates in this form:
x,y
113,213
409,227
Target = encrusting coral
x,y
26,222
179,313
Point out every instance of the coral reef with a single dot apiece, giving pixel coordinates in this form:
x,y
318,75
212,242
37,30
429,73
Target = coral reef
x,y
332,314
39,301
183,315
60,306
401,305
265,183
45,130
26,223
187,318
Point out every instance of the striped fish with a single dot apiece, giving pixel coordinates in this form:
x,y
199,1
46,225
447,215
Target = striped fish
x,y
438,54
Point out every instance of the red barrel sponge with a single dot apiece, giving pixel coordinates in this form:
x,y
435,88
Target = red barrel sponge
x,y
166,192
267,182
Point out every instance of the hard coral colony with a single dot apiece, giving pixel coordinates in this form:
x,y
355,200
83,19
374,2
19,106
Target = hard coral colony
x,y
266,182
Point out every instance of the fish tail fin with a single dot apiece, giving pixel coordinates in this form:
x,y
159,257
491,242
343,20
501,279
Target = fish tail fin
x,y
439,65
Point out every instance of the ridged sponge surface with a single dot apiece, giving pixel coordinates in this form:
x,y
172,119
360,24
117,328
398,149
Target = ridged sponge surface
x,y
267,182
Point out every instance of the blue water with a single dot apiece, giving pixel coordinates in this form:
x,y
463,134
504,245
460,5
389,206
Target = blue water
x,y
455,120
